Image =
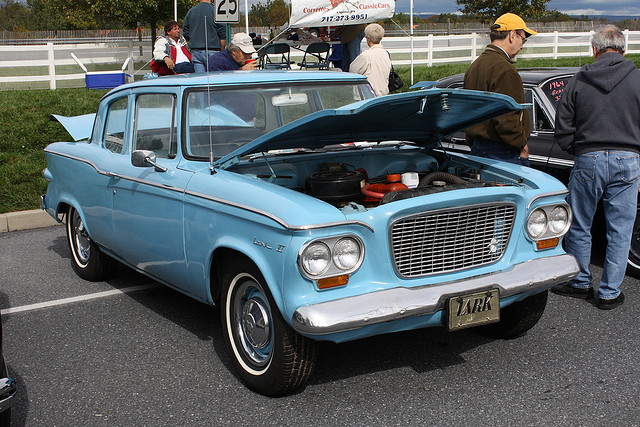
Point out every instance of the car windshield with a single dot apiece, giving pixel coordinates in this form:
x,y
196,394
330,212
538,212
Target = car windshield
x,y
222,120
553,89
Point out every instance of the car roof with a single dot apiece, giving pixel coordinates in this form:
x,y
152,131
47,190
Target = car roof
x,y
538,75
244,77
529,76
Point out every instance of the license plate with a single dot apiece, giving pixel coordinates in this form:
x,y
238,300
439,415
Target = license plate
x,y
476,309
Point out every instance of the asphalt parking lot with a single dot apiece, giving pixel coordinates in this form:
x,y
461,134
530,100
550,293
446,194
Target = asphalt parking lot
x,y
131,352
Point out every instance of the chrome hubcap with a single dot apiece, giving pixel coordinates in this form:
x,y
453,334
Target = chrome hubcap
x,y
81,238
253,324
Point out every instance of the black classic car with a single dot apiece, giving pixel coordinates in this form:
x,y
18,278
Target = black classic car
x,y
7,388
543,89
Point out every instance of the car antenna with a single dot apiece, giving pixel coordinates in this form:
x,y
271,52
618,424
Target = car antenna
x,y
206,54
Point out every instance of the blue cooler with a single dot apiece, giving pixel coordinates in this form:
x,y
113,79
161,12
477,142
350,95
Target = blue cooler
x,y
103,79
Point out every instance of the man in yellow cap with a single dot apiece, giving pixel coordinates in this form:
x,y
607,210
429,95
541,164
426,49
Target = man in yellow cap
x,y
504,137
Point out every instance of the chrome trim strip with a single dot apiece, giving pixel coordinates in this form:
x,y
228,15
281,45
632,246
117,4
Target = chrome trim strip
x,y
221,201
280,221
392,304
69,156
551,160
115,175
540,196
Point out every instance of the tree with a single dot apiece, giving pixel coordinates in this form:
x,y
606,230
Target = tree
x,y
61,15
489,10
14,16
278,13
132,13
402,18
259,15
272,14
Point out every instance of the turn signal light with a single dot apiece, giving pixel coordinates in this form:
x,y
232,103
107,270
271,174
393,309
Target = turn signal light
x,y
333,282
547,243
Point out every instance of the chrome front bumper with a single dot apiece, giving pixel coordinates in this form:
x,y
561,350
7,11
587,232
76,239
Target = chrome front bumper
x,y
392,304
7,393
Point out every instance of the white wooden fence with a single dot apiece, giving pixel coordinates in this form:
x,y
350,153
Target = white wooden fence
x,y
53,63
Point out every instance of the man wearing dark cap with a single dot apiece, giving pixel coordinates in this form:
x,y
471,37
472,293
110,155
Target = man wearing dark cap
x,y
504,137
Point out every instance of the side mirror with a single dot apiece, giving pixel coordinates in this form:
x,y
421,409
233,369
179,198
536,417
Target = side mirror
x,y
145,159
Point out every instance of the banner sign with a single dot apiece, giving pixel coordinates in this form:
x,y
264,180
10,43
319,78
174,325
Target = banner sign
x,y
321,13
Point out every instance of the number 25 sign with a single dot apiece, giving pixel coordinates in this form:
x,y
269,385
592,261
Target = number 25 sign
x,y
227,11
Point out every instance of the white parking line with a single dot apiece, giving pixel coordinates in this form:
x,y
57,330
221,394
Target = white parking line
x,y
87,297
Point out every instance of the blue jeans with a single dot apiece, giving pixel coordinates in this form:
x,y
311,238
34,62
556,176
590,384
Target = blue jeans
x,y
183,68
350,51
491,150
613,177
200,59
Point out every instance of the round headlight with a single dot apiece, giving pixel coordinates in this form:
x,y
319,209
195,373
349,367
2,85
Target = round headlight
x,y
537,223
315,258
346,253
558,219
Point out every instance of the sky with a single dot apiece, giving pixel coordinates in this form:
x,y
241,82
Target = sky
x,y
570,7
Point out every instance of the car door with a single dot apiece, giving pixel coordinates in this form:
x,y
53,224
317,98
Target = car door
x,y
105,151
547,95
148,201
541,143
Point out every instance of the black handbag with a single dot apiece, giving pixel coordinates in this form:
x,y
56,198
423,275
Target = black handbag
x,y
395,81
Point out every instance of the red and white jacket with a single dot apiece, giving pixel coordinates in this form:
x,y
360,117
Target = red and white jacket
x,y
165,46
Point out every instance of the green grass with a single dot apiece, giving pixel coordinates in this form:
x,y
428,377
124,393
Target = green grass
x,y
25,128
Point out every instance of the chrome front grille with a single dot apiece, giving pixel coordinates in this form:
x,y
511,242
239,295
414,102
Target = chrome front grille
x,y
447,240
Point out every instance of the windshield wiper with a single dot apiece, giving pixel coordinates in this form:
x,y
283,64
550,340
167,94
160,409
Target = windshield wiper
x,y
282,152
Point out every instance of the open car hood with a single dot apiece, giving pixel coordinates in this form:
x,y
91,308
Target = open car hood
x,y
423,117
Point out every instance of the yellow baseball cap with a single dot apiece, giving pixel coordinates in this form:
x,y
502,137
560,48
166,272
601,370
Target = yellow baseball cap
x,y
511,21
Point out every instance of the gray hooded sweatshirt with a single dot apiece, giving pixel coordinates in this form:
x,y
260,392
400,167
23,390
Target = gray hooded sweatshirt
x,y
600,107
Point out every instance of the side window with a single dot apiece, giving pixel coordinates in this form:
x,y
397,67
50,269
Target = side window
x,y
115,125
539,120
97,126
155,124
542,122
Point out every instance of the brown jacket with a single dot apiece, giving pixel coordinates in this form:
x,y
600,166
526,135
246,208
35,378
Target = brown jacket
x,y
492,71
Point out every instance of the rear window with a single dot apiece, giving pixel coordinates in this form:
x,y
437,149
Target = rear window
x,y
553,89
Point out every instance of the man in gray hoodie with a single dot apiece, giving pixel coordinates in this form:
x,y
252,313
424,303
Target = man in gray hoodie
x,y
598,120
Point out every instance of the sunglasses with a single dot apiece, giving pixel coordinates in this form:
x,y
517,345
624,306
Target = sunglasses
x,y
524,38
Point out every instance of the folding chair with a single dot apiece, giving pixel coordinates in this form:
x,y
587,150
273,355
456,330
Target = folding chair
x,y
316,56
281,52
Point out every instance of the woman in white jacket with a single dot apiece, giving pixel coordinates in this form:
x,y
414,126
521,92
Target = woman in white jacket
x,y
375,62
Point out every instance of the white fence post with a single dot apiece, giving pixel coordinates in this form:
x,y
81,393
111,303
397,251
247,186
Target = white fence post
x,y
555,45
474,42
52,66
626,39
430,51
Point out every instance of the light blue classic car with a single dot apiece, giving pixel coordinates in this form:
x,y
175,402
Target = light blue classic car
x,y
308,210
